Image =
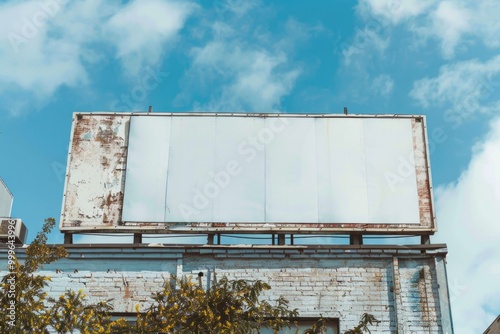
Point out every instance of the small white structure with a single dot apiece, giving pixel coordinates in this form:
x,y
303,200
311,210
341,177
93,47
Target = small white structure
x,y
6,200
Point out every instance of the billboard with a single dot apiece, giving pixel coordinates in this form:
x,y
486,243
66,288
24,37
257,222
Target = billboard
x,y
6,200
308,173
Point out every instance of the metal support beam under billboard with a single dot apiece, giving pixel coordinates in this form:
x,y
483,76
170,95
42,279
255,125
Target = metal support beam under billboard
x,y
68,238
355,239
137,238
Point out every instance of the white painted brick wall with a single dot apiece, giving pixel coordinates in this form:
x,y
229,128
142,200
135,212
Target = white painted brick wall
x,y
335,284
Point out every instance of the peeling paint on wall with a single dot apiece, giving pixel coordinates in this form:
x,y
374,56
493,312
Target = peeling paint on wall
x,y
316,281
422,168
94,182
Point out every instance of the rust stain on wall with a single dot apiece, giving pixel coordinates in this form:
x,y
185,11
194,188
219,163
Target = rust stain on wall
x,y
94,184
424,308
422,174
127,294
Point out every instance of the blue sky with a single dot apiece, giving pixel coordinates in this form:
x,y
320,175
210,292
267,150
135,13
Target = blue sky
x,y
438,58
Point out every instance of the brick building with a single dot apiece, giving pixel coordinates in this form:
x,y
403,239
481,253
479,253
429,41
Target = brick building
x,y
494,328
349,175
404,287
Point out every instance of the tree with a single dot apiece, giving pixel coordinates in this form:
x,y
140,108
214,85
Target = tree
x,y
362,327
23,301
22,296
320,326
183,306
71,312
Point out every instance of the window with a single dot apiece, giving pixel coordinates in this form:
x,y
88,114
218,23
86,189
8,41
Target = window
x,y
305,323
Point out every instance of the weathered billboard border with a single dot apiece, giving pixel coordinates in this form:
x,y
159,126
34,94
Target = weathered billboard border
x,y
96,171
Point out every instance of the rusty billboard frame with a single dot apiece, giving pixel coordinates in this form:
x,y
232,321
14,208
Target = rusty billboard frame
x,y
93,132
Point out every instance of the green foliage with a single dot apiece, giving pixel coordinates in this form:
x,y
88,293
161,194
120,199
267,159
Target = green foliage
x,y
227,307
23,290
182,306
318,328
366,319
23,302
70,312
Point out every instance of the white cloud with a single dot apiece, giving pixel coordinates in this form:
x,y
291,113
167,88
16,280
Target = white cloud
x,y
244,67
50,44
383,85
33,60
362,84
364,42
254,80
456,25
466,88
374,33
450,21
141,28
235,7
468,222
393,11
486,22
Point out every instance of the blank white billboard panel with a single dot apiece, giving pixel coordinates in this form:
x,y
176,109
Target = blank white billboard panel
x,y
386,142
342,191
241,169
146,177
291,174
192,160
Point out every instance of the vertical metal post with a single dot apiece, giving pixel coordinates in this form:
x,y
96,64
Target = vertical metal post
x,y
68,238
272,236
137,238
355,239
425,240
281,239
218,240
291,239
